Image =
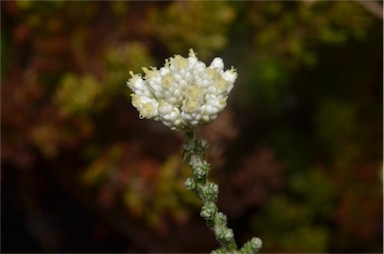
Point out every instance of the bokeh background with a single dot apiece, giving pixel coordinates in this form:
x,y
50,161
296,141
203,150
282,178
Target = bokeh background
x,y
297,153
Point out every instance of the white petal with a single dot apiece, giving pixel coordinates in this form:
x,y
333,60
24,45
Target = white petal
x,y
217,63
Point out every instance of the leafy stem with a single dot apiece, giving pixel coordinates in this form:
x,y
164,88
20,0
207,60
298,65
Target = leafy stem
x,y
193,152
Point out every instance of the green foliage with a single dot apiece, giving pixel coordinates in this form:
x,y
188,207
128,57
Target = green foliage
x,y
288,225
143,198
297,27
80,94
267,86
207,23
87,94
335,124
312,184
120,58
308,99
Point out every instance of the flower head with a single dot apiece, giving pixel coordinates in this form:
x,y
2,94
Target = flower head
x,y
183,93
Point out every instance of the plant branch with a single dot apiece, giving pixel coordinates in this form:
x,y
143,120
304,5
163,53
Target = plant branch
x,y
193,153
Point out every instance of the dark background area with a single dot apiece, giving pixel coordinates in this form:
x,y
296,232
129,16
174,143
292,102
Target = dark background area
x,y
297,153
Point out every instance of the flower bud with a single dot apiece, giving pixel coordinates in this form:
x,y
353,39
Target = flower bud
x,y
208,211
211,192
190,184
225,234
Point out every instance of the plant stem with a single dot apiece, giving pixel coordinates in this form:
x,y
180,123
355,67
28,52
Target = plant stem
x,y
193,152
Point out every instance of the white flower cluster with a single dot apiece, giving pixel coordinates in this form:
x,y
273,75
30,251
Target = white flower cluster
x,y
184,93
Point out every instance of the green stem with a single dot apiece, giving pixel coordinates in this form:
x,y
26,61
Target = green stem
x,y
193,153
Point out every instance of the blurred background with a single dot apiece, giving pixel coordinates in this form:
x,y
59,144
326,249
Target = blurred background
x,y
297,153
